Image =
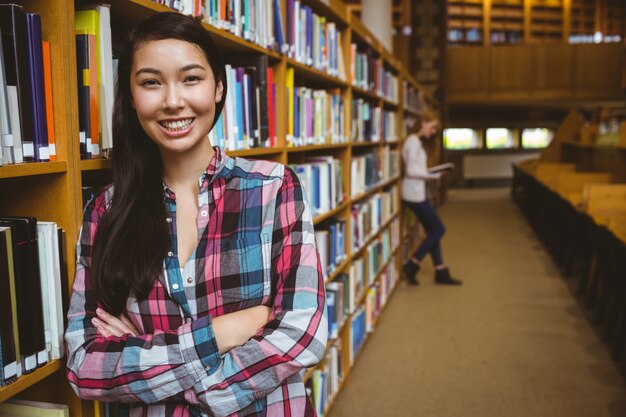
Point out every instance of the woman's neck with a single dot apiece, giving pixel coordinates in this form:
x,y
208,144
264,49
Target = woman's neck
x,y
183,170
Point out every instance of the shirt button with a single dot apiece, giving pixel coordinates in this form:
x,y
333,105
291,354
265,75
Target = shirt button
x,y
204,213
175,286
188,320
170,254
189,280
169,220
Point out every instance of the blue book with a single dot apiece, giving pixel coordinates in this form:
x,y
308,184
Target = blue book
x,y
309,35
315,187
239,104
278,27
37,92
332,316
219,131
332,230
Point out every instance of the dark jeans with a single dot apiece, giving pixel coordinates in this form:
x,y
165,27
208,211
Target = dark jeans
x,y
435,230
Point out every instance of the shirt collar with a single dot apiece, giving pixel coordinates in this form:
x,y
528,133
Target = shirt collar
x,y
213,171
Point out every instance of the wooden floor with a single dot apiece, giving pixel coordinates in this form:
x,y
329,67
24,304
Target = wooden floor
x,y
512,341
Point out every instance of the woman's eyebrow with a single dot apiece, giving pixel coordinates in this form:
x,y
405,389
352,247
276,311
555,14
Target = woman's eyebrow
x,y
151,70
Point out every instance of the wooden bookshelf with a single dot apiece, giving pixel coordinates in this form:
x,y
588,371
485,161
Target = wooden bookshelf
x,y
29,169
53,190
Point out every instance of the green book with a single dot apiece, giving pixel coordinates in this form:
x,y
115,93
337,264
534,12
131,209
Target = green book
x,y
25,408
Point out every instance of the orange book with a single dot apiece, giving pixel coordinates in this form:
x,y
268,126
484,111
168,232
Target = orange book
x,y
47,78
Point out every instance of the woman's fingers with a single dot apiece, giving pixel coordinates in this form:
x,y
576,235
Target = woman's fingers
x,y
109,325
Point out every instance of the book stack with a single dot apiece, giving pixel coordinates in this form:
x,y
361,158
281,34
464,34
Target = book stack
x,y
312,40
363,68
358,332
326,379
374,253
32,295
95,68
336,296
366,220
388,280
258,21
366,121
366,172
358,280
26,113
390,163
248,119
412,97
389,86
372,307
389,202
315,117
322,179
331,244
395,234
390,126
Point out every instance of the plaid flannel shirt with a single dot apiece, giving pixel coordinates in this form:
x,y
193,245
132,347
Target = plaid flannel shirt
x,y
256,246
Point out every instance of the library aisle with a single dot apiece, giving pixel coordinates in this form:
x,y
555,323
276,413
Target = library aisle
x,y
512,341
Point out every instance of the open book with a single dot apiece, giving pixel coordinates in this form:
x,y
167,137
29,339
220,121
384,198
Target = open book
x,y
448,166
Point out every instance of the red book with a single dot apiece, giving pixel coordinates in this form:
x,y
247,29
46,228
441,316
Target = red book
x,y
270,106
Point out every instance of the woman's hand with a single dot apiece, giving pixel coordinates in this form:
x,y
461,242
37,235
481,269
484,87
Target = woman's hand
x,y
235,329
109,325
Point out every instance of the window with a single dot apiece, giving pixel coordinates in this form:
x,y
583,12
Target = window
x,y
536,138
459,139
501,138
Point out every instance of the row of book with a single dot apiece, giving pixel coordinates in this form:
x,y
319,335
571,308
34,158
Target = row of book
x,y
248,119
331,244
326,380
370,214
344,292
372,124
368,73
95,67
377,296
322,180
366,172
390,163
413,98
313,41
314,117
26,113
33,293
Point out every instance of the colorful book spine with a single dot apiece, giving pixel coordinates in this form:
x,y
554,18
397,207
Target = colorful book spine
x,y
37,87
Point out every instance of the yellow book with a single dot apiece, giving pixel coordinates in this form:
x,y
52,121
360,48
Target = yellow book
x,y
15,369
87,22
26,408
289,83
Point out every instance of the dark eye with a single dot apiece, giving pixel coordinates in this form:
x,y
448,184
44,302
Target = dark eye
x,y
149,83
192,79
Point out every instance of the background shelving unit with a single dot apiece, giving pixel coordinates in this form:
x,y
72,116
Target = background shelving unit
x,y
53,190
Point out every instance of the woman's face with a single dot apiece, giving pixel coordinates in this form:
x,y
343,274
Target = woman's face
x,y
429,129
174,93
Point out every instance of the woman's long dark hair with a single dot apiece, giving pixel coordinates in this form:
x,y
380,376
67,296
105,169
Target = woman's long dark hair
x,y
132,238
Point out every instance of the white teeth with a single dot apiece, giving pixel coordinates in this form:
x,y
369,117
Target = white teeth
x,y
177,125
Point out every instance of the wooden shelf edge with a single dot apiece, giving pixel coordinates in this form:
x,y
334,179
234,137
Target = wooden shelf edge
x,y
321,217
28,380
373,190
95,164
32,168
248,153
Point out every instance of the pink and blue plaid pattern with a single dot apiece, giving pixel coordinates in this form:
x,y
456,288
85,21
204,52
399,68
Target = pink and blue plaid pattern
x,y
257,246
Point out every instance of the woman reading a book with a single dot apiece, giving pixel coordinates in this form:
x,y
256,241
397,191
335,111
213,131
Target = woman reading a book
x,y
415,197
198,287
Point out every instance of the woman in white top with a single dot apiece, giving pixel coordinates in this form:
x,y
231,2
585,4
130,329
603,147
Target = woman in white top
x,y
414,196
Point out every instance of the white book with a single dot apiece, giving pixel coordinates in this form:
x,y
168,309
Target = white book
x,y
52,286
231,126
14,113
107,85
26,408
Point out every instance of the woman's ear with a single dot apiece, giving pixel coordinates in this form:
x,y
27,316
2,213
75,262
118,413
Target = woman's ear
x,y
219,90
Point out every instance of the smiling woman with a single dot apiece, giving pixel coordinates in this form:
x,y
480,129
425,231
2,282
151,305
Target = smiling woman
x,y
198,289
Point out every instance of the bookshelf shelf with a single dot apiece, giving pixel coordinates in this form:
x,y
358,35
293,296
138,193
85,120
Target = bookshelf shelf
x,y
379,187
251,153
365,144
333,9
95,164
361,93
33,168
28,380
339,269
296,149
321,217
369,241
317,77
